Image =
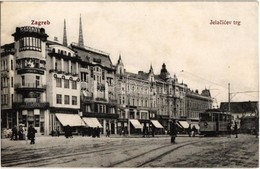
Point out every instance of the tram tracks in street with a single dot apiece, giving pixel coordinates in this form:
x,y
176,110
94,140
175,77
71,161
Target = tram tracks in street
x,y
159,151
40,157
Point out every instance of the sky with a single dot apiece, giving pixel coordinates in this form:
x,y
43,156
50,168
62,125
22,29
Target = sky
x,y
179,34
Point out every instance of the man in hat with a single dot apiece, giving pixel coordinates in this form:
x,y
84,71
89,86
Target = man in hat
x,y
173,131
31,134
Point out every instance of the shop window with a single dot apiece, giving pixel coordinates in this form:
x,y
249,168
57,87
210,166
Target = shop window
x,y
37,120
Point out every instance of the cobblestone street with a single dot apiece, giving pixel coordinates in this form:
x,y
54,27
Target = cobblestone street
x,y
132,152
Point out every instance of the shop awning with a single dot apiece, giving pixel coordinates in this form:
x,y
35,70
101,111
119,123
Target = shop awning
x,y
136,123
184,124
92,122
157,124
72,120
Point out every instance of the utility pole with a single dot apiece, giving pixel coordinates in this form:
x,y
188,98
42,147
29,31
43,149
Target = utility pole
x,y
229,97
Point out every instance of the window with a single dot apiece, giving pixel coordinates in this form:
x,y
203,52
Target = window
x,y
56,66
66,83
91,72
37,120
58,82
103,75
58,98
12,65
37,81
12,82
74,85
30,43
23,81
67,99
74,100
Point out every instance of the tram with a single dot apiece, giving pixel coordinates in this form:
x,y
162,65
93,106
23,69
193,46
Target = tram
x,y
214,122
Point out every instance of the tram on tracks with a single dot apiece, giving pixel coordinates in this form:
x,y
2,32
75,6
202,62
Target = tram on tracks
x,y
214,122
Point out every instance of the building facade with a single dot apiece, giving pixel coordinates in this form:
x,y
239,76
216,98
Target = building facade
x,y
51,85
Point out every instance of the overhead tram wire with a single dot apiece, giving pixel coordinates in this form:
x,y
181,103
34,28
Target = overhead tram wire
x,y
243,92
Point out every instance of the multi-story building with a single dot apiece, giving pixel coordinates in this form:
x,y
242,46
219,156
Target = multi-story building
x,y
51,85
144,97
30,102
8,115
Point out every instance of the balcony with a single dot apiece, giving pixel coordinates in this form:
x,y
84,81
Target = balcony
x,y
30,105
87,99
39,70
101,99
29,86
113,102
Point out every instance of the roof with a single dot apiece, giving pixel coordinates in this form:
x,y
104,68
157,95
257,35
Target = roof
x,y
240,107
93,56
141,76
7,49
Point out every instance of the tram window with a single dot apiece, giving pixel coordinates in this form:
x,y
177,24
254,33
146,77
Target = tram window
x,y
205,117
224,117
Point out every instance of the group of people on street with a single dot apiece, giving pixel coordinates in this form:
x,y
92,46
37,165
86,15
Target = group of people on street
x,y
94,132
192,131
23,134
229,130
148,131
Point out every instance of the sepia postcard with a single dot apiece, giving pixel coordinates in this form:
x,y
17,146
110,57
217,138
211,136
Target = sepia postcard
x,y
130,84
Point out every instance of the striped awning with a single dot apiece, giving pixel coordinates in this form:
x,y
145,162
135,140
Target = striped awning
x,y
92,122
136,123
157,124
72,120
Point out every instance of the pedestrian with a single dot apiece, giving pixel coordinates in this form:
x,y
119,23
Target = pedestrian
x,y
256,127
20,134
107,132
229,130
68,132
94,132
58,131
235,129
26,136
189,130
144,130
14,133
153,131
173,131
98,132
31,134
194,130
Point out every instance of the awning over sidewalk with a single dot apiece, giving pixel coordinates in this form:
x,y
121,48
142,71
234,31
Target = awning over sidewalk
x,y
92,122
72,120
136,123
157,124
184,124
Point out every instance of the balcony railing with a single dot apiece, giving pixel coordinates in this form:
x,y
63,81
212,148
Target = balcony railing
x,y
101,99
113,101
29,86
27,105
86,98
